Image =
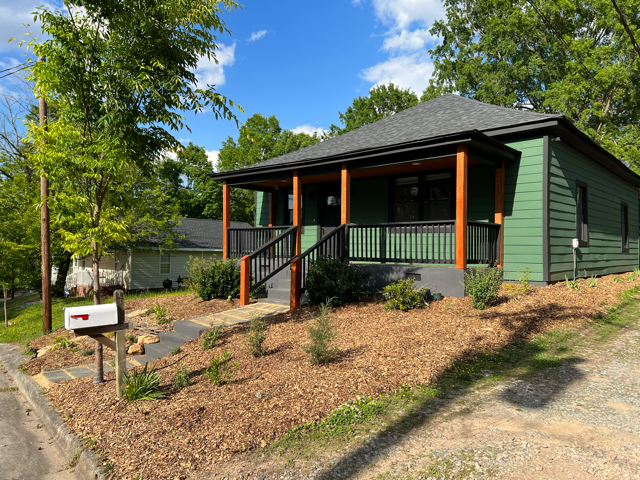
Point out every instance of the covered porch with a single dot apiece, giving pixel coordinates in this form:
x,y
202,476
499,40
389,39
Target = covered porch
x,y
400,207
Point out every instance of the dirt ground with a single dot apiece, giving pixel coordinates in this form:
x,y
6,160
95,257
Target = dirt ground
x,y
202,424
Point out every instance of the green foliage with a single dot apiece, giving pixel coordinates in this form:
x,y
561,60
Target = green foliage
x,y
354,412
332,278
181,379
633,275
210,337
524,278
131,338
29,351
221,370
62,342
175,351
321,334
618,280
572,284
482,285
158,311
402,295
143,385
165,320
86,352
592,282
255,336
214,278
572,58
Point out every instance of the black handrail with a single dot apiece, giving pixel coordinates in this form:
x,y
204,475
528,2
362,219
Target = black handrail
x,y
244,241
272,257
483,242
333,245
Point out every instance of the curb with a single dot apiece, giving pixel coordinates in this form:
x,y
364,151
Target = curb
x,y
87,467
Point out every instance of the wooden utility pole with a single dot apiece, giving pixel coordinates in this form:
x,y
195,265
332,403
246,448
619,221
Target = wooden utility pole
x,y
45,235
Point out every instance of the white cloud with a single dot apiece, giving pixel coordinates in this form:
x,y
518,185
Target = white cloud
x,y
401,14
308,129
171,155
209,72
184,140
257,35
406,71
212,155
408,41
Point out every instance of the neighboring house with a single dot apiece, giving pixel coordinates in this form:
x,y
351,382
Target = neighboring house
x,y
439,187
147,268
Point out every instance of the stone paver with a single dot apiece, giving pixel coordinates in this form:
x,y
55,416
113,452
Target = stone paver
x,y
80,371
239,315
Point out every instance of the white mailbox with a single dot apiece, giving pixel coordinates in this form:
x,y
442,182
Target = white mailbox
x,y
90,316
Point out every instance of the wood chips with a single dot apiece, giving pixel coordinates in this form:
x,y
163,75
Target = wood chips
x,y
202,424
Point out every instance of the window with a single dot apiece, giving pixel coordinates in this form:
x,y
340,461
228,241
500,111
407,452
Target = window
x,y
405,207
437,204
289,210
165,263
624,211
582,218
83,263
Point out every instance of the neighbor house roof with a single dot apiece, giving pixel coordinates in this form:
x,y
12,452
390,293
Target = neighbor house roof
x,y
199,234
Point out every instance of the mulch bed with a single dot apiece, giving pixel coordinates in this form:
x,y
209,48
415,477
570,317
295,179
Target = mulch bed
x,y
202,424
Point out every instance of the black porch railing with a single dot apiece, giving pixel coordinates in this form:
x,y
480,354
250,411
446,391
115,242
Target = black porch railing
x,y
244,241
272,257
333,246
483,243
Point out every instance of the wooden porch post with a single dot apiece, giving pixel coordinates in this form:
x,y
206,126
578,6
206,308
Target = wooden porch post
x,y
272,208
297,209
296,283
345,207
245,280
499,215
226,218
462,165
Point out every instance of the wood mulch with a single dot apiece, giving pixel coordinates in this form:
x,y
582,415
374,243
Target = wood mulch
x,y
202,424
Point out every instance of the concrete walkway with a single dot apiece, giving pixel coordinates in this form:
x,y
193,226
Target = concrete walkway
x,y
79,371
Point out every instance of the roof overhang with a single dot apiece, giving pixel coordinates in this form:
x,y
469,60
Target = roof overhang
x,y
481,148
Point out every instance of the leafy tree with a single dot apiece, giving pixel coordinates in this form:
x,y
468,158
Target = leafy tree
x,y
382,101
259,139
573,58
187,184
120,73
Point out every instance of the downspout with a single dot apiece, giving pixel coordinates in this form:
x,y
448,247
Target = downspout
x,y
130,269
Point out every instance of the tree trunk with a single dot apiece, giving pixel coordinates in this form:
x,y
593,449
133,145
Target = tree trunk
x,y
63,269
13,284
4,291
95,269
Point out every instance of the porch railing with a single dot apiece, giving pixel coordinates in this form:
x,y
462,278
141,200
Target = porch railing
x,y
244,241
410,242
333,246
272,257
483,242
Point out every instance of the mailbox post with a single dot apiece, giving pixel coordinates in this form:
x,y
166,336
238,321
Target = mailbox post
x,y
94,321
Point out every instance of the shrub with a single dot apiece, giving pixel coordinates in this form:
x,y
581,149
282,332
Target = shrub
x,y
618,280
62,342
482,285
210,337
255,336
214,278
181,379
402,295
175,351
221,370
165,320
572,284
131,338
321,334
87,352
144,385
335,279
523,278
158,311
592,282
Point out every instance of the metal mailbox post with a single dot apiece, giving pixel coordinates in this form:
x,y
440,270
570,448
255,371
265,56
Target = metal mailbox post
x,y
93,321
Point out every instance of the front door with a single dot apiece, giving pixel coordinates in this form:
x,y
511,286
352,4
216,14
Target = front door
x,y
329,199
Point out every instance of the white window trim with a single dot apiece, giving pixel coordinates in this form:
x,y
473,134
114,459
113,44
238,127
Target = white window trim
x,y
160,269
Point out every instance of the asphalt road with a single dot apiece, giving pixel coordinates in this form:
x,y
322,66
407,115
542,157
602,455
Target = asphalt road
x,y
25,451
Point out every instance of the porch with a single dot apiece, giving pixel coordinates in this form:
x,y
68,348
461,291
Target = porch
x,y
399,211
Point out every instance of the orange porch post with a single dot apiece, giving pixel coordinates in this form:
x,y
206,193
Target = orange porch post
x,y
499,208
296,284
462,164
226,218
345,206
245,280
297,209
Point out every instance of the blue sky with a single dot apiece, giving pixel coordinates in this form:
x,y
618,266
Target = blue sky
x,y
302,61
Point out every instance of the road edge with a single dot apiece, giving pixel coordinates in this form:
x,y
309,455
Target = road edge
x,y
87,467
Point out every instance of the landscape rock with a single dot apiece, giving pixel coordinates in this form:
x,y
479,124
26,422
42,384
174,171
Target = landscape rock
x,y
136,349
44,350
144,339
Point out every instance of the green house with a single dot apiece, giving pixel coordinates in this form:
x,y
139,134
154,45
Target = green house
x,y
449,184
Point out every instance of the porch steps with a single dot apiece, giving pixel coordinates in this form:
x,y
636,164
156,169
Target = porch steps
x,y
279,289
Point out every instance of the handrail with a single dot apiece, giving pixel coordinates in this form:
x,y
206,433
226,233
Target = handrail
x,y
244,241
333,245
272,257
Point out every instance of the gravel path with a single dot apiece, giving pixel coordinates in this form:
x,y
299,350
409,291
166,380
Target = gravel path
x,y
576,421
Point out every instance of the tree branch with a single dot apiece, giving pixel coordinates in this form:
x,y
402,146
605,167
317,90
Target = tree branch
x,y
624,23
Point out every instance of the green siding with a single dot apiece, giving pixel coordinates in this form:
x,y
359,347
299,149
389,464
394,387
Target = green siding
x,y
370,200
145,267
262,209
481,196
605,191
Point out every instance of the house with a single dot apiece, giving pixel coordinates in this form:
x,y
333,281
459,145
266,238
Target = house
x,y
446,185
147,268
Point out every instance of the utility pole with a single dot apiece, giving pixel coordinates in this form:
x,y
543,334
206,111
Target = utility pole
x,y
44,231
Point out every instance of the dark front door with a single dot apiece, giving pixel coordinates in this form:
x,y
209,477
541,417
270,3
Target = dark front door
x,y
329,208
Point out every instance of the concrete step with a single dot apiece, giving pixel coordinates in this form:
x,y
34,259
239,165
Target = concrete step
x,y
279,294
156,350
173,339
189,329
284,283
278,301
142,359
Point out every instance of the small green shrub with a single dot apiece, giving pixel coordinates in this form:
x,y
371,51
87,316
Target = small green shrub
x,y
572,284
86,352
143,385
592,282
158,311
524,278
181,379
214,278
210,337
482,285
618,280
221,370
62,342
321,333
255,336
402,295
165,320
175,351
131,338
633,275
335,279
29,351
353,413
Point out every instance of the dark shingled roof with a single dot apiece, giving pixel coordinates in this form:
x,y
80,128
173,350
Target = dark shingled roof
x,y
445,115
203,233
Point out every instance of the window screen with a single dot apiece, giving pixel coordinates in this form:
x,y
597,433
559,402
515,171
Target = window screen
x,y
405,207
165,263
582,219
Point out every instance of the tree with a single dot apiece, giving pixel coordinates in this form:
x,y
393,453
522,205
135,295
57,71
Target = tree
x,y
120,73
573,58
382,101
259,139
186,183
